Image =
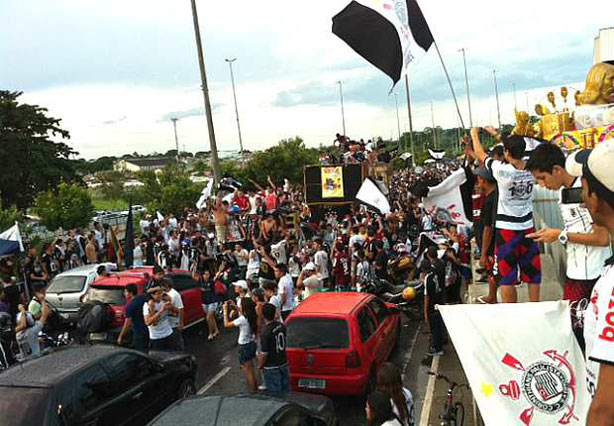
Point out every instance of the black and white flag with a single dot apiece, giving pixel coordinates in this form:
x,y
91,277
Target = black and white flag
x,y
370,194
437,154
388,33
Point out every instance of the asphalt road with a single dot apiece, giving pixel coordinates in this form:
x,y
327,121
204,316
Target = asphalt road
x,y
219,373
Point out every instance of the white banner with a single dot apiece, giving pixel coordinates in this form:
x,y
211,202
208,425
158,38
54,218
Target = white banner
x,y
370,194
444,201
522,362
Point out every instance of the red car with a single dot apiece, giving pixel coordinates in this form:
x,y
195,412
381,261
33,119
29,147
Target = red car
x,y
111,290
336,341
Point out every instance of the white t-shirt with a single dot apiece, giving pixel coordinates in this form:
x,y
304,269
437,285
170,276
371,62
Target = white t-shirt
x,y
427,222
162,328
252,202
99,238
286,286
312,286
515,202
242,257
253,265
144,225
137,255
275,300
27,340
245,331
294,267
599,328
177,303
356,238
321,261
278,252
583,262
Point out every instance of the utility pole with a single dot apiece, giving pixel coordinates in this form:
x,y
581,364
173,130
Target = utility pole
x,y
467,85
411,127
396,101
174,120
515,101
234,94
494,74
215,163
342,110
434,130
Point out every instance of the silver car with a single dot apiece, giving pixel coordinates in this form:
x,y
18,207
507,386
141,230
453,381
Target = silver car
x,y
64,292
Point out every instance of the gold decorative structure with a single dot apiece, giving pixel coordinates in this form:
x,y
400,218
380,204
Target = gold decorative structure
x,y
599,88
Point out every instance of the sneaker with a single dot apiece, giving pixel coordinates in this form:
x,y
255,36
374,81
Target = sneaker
x,y
432,352
262,387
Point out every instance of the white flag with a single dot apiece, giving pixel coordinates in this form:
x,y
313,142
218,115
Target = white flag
x,y
370,194
159,216
522,361
445,201
10,241
205,194
436,154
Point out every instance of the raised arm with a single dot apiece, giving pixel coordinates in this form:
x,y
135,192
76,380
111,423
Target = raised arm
x,y
478,149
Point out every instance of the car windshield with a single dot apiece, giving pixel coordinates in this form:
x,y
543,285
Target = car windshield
x,y
23,405
112,296
318,333
66,284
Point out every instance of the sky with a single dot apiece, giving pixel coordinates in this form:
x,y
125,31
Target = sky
x,y
116,71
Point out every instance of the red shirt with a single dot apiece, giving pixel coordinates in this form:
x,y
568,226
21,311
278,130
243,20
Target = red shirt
x,y
241,202
341,269
270,202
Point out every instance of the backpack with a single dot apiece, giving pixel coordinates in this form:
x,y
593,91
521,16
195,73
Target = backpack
x,y
93,317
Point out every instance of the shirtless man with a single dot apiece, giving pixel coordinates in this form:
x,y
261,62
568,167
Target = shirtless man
x,y
220,213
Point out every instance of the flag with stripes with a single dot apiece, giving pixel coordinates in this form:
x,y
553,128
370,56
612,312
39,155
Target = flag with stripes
x,y
390,34
437,154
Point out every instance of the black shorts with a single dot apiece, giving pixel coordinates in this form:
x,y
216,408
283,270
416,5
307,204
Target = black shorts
x,y
247,352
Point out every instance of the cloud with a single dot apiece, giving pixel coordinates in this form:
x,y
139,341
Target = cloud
x,y
119,120
192,112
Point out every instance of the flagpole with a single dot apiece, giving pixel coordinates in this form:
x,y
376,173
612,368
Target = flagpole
x,y
411,126
450,83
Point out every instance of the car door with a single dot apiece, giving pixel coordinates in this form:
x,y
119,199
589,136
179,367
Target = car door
x,y
93,401
191,297
367,328
386,326
136,384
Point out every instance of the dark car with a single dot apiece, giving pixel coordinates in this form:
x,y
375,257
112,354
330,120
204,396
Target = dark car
x,y
291,409
94,385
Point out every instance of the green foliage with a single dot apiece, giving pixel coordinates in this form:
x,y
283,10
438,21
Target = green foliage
x,y
32,162
9,216
109,204
112,184
70,206
93,166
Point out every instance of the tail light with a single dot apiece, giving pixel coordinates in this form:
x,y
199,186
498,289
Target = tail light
x,y
352,360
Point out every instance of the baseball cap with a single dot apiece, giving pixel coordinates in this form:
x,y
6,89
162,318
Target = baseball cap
x,y
310,267
595,166
485,174
240,283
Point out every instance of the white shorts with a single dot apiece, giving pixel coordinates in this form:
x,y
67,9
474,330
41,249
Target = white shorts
x,y
210,308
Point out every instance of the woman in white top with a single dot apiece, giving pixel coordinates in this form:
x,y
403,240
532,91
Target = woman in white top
x,y
247,323
390,382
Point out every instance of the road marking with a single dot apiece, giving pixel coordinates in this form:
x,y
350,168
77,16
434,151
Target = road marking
x,y
430,392
211,382
410,353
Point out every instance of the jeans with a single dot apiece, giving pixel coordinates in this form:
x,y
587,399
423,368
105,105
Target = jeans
x,y
277,379
140,341
168,343
436,324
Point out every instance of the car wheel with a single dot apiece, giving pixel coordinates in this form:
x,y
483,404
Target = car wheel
x,y
186,389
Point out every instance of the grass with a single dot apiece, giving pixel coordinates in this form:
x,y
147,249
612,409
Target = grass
x,y
111,205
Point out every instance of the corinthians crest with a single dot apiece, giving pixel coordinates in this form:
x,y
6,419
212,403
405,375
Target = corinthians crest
x,y
548,385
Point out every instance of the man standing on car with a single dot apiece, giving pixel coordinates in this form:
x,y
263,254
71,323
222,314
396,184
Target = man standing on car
x,y
272,359
134,319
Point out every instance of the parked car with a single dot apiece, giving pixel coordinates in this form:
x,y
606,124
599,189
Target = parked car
x,y
94,385
110,290
336,341
138,208
65,291
250,410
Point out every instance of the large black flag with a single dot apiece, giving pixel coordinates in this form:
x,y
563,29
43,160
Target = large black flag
x,y
129,240
388,33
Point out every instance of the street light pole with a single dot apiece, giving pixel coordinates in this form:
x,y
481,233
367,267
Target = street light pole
x,y
411,126
467,85
174,120
433,123
215,163
515,102
396,101
494,73
342,110
234,94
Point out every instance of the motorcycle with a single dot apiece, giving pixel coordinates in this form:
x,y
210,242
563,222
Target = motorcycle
x,y
391,293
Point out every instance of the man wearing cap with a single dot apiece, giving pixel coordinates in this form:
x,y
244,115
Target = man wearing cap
x,y
240,288
595,167
309,280
516,255
587,245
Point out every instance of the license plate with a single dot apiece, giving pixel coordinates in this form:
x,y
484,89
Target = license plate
x,y
98,336
312,383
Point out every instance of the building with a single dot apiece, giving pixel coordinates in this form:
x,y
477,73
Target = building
x,y
142,164
604,46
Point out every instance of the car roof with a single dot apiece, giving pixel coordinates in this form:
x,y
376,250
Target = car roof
x,y
49,369
254,410
129,276
331,303
82,270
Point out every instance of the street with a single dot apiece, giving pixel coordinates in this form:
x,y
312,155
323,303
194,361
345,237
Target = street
x,y
219,373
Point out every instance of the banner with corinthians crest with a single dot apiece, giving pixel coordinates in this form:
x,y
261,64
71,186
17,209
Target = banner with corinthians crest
x,y
522,362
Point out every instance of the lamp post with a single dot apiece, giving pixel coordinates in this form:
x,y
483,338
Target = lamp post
x,y
396,101
494,74
340,83
234,94
203,77
174,120
467,85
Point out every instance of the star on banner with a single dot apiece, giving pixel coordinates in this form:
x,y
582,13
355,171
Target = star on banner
x,y
487,389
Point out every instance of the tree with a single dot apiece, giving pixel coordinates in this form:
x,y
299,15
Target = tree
x,y
112,184
32,162
70,206
8,217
